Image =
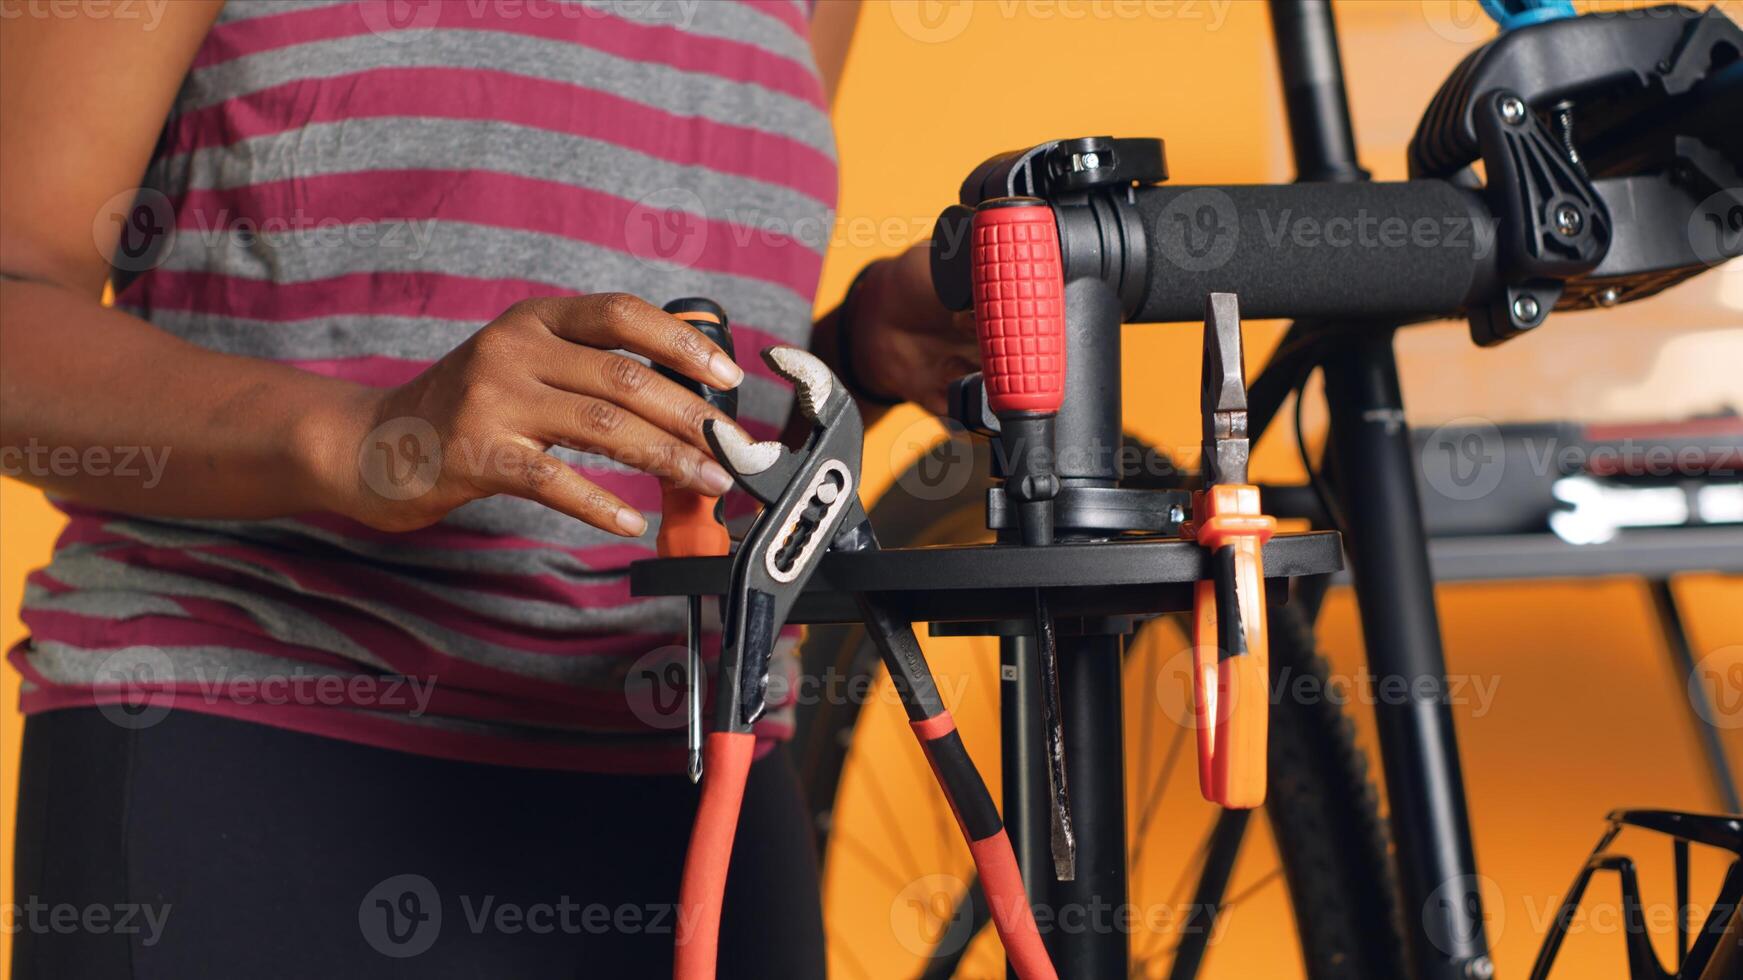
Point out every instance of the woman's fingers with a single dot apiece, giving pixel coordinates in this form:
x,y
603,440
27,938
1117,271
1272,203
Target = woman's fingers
x,y
524,471
595,425
619,320
618,379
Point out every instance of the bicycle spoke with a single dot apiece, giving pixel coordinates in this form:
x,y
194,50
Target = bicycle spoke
x,y
852,958
1223,909
892,826
1148,726
873,858
1248,891
1178,891
1154,802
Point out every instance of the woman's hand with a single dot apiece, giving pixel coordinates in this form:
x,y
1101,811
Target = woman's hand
x,y
546,373
906,345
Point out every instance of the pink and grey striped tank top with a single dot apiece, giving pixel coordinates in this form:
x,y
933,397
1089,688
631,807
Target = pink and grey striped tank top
x,y
354,189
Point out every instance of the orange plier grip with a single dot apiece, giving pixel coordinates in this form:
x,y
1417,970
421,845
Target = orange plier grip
x,y
1231,653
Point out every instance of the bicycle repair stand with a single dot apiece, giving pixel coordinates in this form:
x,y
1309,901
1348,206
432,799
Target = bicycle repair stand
x,y
1116,556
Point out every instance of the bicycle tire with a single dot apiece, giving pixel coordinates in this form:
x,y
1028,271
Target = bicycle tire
x,y
1324,809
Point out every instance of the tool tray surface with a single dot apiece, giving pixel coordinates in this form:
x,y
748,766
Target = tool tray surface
x,y
982,582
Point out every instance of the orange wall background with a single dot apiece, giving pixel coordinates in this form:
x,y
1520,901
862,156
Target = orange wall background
x,y
1588,714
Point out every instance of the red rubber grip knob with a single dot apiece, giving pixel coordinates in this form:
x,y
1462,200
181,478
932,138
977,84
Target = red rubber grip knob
x,y
1019,305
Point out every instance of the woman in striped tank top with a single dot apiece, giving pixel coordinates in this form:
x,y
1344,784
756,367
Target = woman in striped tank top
x,y
334,671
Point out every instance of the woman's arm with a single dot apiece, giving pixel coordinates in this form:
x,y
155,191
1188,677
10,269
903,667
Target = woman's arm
x,y
220,436
832,26
210,435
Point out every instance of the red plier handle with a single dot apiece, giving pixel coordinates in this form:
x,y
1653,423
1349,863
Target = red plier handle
x,y
1231,654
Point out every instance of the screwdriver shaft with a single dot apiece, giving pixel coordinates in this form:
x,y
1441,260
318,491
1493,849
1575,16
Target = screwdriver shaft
x,y
693,684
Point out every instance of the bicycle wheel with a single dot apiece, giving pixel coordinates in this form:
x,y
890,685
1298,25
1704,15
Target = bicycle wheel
x,y
898,881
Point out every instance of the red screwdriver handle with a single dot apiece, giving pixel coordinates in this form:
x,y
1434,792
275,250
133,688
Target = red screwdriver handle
x,y
1019,304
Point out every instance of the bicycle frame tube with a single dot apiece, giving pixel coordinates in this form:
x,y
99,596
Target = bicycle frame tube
x,y
1388,549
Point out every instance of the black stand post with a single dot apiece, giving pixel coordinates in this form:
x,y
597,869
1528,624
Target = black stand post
x,y
1024,756
1084,916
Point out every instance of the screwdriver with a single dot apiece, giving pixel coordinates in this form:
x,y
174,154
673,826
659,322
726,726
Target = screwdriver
x,y
1019,314
690,524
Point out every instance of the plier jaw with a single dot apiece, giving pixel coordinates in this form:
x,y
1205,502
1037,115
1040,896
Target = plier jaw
x,y
1230,642
809,496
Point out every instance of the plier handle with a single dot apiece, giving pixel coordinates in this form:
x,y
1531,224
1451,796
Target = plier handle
x,y
1231,655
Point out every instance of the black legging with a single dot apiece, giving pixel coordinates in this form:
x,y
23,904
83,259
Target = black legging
x,y
202,847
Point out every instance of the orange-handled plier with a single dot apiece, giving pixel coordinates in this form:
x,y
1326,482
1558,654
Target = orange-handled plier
x,y
1230,682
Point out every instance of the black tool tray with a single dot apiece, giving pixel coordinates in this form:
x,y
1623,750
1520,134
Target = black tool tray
x,y
985,582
